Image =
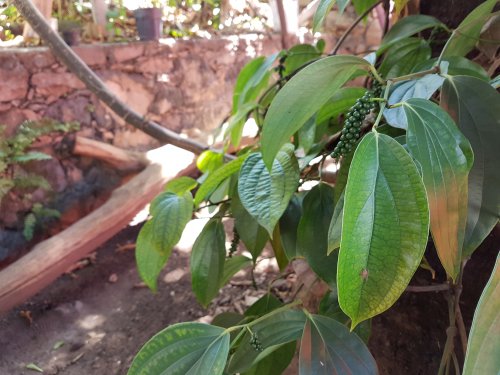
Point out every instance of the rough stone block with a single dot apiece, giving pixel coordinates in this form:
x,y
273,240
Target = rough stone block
x,y
55,84
14,78
126,52
92,55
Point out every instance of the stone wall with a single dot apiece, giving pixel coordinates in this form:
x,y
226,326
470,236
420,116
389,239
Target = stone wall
x,y
185,85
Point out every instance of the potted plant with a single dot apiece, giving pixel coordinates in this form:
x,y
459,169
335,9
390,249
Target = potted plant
x,y
148,20
71,31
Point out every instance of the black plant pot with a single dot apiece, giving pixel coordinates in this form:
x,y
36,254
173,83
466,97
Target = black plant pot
x,y
72,37
149,23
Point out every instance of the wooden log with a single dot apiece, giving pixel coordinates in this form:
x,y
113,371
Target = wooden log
x,y
127,161
51,258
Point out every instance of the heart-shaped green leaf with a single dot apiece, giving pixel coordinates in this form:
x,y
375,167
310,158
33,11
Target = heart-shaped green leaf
x,y
303,96
184,348
483,350
207,261
474,105
384,230
150,261
445,158
265,195
170,214
327,347
423,88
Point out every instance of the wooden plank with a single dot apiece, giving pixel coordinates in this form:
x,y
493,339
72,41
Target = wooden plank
x,y
123,160
51,258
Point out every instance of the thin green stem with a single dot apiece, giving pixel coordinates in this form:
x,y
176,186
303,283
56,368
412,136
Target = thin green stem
x,y
353,25
377,76
407,77
382,105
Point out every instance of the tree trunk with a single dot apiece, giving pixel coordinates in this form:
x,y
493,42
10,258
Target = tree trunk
x,y
450,12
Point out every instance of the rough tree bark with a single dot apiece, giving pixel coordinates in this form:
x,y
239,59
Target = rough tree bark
x,y
66,55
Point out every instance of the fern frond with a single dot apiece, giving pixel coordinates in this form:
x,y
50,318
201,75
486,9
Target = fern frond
x,y
32,181
29,226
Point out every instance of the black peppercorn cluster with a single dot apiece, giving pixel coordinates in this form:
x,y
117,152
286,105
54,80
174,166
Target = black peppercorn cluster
x,y
234,243
255,342
353,121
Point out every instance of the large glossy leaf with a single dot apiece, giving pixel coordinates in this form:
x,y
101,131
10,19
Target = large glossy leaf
x,y
184,348
289,223
406,27
324,8
474,105
423,88
465,36
384,230
216,178
312,232
445,158
251,233
327,347
265,195
483,350
150,261
301,97
207,261
402,57
170,214
273,332
335,228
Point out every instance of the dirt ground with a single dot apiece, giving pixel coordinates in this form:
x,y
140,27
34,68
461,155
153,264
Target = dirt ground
x,y
94,321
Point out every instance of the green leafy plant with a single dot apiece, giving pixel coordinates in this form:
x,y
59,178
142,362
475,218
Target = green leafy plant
x,y
36,218
421,160
15,153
